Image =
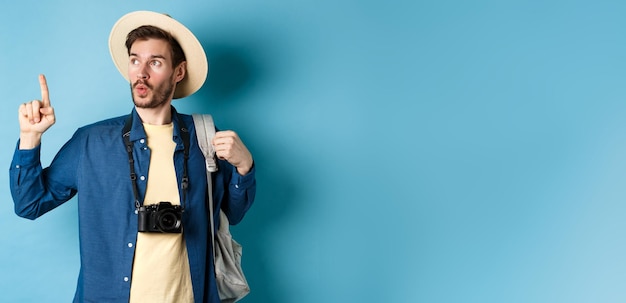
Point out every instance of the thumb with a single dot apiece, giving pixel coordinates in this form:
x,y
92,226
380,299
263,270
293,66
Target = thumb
x,y
46,111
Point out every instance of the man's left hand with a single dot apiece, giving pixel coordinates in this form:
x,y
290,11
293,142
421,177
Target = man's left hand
x,y
229,147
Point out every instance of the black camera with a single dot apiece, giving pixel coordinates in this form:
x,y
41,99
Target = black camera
x,y
163,217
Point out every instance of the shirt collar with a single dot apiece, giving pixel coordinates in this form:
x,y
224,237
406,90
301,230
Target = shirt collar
x,y
137,132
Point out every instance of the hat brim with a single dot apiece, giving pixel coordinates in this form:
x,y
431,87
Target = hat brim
x,y
197,64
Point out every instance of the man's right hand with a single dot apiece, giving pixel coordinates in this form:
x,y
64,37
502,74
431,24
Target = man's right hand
x,y
35,118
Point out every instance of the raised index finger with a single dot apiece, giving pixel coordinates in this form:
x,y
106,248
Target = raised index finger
x,y
45,98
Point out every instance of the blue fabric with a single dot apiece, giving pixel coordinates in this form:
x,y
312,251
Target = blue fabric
x,y
94,165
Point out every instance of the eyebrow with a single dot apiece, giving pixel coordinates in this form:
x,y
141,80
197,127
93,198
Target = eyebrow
x,y
151,57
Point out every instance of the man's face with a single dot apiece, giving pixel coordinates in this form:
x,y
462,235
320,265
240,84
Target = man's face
x,y
152,77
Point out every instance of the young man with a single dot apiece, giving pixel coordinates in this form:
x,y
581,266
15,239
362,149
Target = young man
x,y
134,247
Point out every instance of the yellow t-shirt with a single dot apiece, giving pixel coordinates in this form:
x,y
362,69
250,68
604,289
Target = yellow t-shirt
x,y
161,266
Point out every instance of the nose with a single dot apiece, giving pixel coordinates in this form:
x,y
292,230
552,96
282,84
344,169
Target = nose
x,y
142,72
142,75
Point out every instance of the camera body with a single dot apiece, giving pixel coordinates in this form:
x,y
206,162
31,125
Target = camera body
x,y
162,218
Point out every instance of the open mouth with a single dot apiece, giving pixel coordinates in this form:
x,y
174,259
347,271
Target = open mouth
x,y
141,88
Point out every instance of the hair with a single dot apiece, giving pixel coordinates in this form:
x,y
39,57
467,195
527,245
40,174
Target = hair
x,y
146,32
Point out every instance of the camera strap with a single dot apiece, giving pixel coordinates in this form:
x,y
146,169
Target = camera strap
x,y
184,134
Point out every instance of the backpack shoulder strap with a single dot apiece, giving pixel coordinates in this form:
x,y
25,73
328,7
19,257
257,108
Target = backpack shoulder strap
x,y
205,131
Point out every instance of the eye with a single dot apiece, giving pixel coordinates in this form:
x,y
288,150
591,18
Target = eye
x,y
156,63
134,61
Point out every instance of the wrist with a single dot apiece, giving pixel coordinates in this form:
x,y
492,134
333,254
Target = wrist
x,y
29,140
244,169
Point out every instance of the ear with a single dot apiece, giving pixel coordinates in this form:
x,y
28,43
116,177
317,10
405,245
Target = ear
x,y
180,71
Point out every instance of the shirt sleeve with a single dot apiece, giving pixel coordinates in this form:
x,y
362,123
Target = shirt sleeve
x,y
34,194
241,193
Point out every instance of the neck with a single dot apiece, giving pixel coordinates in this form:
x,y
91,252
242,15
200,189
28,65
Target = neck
x,y
155,116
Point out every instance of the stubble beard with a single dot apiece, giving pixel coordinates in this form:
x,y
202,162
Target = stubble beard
x,y
160,96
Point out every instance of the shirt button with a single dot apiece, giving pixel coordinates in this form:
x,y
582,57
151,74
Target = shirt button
x,y
236,185
142,178
125,279
17,166
142,141
130,244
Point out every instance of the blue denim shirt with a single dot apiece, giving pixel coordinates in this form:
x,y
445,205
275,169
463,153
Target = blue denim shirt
x,y
94,165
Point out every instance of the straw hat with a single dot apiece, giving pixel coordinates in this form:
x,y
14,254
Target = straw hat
x,y
197,65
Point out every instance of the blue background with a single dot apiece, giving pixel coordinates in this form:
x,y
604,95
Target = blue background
x,y
407,151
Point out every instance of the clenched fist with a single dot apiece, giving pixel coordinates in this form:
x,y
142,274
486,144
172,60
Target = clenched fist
x,y
229,147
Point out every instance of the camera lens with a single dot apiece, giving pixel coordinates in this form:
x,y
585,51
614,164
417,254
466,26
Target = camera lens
x,y
168,221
